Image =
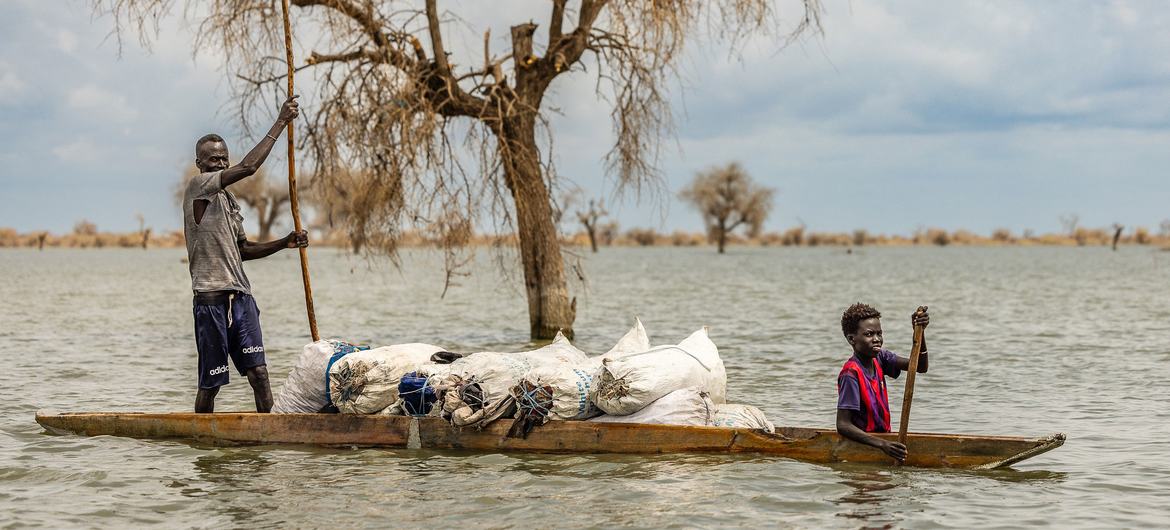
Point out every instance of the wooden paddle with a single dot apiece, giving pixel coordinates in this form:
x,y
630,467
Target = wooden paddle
x,y
292,181
915,351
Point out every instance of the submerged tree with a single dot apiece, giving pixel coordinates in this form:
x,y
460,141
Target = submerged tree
x,y
143,231
727,198
390,99
589,217
268,198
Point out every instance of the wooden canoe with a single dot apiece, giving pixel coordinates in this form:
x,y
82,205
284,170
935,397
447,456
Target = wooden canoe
x,y
346,430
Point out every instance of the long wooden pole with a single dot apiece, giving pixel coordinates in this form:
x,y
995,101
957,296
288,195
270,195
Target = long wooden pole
x,y
292,180
908,397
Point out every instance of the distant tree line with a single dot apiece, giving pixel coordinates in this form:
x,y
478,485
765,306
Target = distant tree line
x,y
732,205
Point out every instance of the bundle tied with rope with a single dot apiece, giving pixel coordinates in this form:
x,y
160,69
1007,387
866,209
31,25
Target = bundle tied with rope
x,y
480,385
367,382
533,403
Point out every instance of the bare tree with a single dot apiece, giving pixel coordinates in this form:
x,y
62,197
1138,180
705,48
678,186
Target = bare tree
x,y
608,232
391,98
84,228
727,198
1069,223
143,231
341,202
268,198
593,212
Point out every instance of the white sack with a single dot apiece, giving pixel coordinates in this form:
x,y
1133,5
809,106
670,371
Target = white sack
x,y
627,384
687,406
497,372
434,372
304,390
742,416
501,371
570,386
635,340
366,382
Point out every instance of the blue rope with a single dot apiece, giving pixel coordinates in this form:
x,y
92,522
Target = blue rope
x,y
424,406
528,398
340,349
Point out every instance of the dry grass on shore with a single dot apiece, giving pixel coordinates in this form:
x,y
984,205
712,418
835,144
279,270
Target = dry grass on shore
x,y
10,238
799,237
86,236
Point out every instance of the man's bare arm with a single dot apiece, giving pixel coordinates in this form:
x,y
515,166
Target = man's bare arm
x,y
252,250
256,157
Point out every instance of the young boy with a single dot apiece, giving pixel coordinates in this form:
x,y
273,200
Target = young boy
x,y
863,405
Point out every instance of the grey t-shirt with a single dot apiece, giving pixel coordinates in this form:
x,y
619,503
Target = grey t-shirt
x,y
212,245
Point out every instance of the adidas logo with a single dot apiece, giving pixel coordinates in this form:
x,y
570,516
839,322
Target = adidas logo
x,y
217,371
253,349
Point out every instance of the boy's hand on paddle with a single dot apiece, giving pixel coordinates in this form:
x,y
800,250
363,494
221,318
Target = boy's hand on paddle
x,y
894,449
920,317
290,110
297,239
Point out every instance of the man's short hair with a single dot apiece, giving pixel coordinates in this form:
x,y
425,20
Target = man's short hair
x,y
207,138
853,316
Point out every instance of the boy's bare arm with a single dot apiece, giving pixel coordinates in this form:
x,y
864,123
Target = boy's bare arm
x,y
846,428
923,320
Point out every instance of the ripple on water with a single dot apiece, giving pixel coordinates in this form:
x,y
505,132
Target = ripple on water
x,y
1003,362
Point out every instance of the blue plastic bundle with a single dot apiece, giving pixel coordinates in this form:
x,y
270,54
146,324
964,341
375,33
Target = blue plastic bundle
x,y
340,349
417,397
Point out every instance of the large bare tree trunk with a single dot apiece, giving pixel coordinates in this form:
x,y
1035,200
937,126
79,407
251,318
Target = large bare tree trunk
x,y
592,231
268,217
549,306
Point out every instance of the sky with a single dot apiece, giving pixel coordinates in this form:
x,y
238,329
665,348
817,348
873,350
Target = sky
x,y
901,115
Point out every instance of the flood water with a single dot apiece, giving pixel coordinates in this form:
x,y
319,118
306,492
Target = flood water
x,y
1023,341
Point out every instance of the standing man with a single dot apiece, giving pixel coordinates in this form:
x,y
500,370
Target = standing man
x,y
227,321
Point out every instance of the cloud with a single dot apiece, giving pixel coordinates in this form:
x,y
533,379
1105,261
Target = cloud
x,y
930,110
917,68
66,41
96,101
79,152
10,83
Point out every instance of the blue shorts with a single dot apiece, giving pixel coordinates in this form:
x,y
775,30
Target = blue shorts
x,y
230,328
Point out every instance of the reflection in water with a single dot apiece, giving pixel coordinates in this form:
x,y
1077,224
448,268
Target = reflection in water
x,y
237,469
236,479
872,490
866,497
425,463
1037,476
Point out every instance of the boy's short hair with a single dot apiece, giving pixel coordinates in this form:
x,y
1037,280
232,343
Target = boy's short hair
x,y
853,316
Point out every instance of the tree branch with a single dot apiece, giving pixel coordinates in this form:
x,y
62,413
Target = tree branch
x,y
436,37
556,23
319,58
370,25
363,17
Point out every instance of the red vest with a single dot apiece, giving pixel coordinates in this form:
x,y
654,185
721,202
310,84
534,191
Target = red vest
x,y
875,401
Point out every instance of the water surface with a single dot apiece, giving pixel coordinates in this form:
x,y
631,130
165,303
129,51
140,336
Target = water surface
x,y
1024,341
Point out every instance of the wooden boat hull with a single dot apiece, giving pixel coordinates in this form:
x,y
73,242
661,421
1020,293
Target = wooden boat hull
x,y
811,445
